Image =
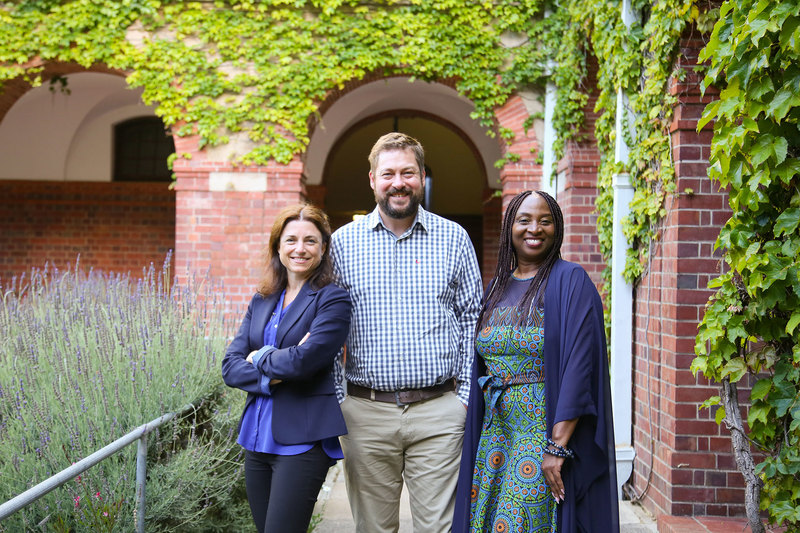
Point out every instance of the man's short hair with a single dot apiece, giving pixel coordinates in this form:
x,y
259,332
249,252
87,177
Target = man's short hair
x,y
397,141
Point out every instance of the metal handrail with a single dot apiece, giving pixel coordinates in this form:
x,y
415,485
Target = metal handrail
x,y
53,482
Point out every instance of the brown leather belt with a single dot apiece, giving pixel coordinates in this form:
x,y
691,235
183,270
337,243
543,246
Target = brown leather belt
x,y
402,397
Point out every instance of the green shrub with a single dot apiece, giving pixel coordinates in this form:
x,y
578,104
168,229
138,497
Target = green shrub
x,y
86,358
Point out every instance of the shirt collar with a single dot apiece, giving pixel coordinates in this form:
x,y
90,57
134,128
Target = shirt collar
x,y
423,218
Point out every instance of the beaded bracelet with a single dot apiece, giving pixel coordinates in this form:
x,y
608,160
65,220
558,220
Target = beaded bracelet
x,y
558,451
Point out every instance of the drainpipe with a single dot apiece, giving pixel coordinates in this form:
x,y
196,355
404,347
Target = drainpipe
x,y
622,297
549,182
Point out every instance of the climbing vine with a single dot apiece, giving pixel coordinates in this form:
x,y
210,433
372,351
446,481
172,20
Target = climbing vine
x,y
262,68
638,59
752,324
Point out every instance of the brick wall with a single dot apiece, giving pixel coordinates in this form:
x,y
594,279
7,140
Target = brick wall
x,y
693,471
577,173
119,227
580,224
492,222
525,173
225,232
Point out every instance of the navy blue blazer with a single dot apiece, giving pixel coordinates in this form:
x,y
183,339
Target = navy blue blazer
x,y
305,408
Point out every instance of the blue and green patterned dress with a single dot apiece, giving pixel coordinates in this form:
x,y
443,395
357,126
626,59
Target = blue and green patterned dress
x,y
509,493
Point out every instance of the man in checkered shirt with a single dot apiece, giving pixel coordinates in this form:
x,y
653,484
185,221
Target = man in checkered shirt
x,y
415,286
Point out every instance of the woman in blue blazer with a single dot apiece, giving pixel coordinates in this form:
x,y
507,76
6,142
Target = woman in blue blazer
x,y
283,356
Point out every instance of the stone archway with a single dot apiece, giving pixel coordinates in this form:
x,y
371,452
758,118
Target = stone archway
x,y
58,199
431,112
456,184
225,210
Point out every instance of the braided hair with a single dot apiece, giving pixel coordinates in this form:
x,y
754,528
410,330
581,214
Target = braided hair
x,y
507,261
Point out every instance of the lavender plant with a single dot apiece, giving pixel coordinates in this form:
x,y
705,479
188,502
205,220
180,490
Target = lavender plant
x,y
86,357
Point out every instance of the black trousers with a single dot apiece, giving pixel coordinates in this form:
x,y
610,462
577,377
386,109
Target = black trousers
x,y
282,489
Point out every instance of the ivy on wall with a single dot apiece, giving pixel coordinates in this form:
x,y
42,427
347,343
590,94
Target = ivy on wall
x,y
640,61
752,324
263,67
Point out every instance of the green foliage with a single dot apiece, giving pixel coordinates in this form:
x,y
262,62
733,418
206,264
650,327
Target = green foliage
x,y
262,68
86,358
751,323
638,60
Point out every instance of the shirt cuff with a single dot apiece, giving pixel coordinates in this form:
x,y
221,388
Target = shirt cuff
x,y
463,392
259,354
264,381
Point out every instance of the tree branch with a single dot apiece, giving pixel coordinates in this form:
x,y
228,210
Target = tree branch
x,y
742,454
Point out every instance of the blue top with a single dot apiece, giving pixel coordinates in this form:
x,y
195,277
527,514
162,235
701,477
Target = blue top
x,y
255,433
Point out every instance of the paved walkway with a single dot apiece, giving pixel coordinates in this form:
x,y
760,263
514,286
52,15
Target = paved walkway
x,y
335,510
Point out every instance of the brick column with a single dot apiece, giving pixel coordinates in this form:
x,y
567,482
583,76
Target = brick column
x,y
693,471
492,222
224,214
577,185
525,173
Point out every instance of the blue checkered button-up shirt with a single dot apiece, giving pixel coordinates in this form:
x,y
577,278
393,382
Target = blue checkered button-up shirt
x,y
415,302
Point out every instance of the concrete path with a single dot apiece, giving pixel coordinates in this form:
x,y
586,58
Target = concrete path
x,y
332,505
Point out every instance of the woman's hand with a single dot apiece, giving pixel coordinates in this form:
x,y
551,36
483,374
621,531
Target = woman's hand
x,y
305,337
551,466
276,381
250,356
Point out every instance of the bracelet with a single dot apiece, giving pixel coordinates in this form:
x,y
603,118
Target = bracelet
x,y
558,450
557,453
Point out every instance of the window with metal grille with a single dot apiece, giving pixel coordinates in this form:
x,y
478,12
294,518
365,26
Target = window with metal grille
x,y
141,148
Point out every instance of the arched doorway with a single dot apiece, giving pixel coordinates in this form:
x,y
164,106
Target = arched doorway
x,y
459,153
456,181
60,197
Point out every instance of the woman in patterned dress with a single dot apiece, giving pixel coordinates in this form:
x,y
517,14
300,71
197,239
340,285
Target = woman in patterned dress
x,y
538,450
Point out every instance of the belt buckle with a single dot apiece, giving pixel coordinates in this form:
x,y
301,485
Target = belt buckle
x,y
397,399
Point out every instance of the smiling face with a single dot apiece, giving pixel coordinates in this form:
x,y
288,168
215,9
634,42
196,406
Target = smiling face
x,y
532,233
398,183
300,248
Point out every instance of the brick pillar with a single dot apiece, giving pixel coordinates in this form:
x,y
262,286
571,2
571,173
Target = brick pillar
x,y
693,471
525,173
577,184
492,222
224,214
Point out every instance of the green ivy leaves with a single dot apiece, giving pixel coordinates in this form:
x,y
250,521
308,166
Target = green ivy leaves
x,y
751,323
262,68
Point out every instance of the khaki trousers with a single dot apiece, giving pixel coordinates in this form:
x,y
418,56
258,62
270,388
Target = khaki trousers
x,y
386,444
